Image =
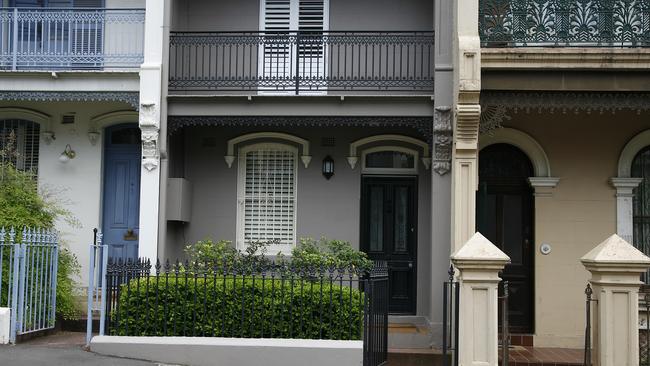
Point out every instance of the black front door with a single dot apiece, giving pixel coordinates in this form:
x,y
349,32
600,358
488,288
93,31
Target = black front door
x,y
505,216
389,233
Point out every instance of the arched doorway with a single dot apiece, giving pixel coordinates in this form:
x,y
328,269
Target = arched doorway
x,y
505,209
641,204
121,203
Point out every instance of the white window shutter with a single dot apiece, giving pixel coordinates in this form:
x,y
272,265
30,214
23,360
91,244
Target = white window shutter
x,y
282,58
311,15
268,196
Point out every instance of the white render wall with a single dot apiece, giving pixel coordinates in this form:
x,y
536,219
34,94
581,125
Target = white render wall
x,y
77,185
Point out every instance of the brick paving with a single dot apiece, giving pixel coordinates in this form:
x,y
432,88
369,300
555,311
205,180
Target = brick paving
x,y
529,356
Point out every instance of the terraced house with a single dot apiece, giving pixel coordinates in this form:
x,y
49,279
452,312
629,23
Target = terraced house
x,y
401,126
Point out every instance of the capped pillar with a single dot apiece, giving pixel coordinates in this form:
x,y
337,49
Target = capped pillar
x,y
616,267
479,263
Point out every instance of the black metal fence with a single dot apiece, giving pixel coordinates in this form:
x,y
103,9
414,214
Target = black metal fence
x,y
504,323
301,62
255,299
644,326
450,318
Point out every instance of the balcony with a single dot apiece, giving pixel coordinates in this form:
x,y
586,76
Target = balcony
x,y
297,62
564,23
71,38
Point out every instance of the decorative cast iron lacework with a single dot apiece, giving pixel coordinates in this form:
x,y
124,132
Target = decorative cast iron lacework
x,y
515,23
423,125
301,62
70,38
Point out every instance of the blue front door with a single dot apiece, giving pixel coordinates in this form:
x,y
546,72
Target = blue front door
x,y
122,190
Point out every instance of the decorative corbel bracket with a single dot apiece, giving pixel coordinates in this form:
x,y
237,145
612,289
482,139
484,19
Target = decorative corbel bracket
x,y
352,161
306,159
229,160
442,140
150,131
48,137
93,137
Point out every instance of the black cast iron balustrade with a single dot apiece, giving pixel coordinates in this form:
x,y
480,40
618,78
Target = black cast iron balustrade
x,y
301,62
253,299
564,23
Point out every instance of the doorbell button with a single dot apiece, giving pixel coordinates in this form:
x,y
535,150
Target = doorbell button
x,y
545,249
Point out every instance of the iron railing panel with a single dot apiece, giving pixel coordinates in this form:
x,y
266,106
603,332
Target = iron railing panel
x,y
564,23
71,38
28,273
301,62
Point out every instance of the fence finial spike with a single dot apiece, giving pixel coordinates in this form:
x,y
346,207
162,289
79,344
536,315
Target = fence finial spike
x,y
451,272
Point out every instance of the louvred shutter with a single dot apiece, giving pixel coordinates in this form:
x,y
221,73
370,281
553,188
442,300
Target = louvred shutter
x,y
269,197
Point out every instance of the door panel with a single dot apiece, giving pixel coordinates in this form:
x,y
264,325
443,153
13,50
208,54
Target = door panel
x,y
389,233
505,216
121,193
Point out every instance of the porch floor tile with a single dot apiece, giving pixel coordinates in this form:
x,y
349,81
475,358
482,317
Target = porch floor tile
x,y
535,356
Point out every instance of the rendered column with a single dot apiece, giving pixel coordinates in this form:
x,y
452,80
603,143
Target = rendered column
x,y
479,263
624,201
467,88
150,115
615,268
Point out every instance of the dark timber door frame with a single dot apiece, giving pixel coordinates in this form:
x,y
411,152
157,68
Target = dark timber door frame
x,y
505,215
389,207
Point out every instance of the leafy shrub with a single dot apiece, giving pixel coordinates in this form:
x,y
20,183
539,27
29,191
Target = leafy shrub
x,y
311,253
22,206
208,253
229,307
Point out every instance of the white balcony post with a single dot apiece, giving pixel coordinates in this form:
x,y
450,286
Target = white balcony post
x,y
151,109
479,263
615,267
15,41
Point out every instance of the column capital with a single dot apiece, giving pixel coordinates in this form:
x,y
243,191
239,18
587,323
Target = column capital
x,y
543,186
625,185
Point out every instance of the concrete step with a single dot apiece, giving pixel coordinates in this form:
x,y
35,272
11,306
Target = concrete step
x,y
408,336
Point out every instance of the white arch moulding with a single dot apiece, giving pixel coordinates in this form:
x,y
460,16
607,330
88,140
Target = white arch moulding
x,y
625,185
102,121
31,115
353,157
523,141
304,157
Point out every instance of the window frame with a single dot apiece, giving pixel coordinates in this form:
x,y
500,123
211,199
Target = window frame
x,y
241,194
390,171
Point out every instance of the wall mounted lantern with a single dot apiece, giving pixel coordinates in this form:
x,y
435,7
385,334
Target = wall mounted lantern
x,y
328,167
67,154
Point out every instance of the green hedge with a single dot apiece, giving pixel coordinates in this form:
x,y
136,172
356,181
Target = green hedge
x,y
170,307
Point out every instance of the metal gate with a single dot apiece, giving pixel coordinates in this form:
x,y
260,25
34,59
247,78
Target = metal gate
x,y
28,271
